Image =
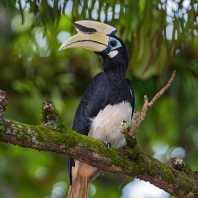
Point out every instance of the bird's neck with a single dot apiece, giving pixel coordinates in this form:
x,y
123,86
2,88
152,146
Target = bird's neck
x,y
119,89
115,70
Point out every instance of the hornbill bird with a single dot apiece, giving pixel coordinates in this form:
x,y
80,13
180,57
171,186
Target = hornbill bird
x,y
107,101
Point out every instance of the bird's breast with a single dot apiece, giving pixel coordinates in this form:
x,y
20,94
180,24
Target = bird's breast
x,y
106,125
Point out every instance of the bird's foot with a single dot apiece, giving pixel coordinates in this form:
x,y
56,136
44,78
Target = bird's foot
x,y
107,144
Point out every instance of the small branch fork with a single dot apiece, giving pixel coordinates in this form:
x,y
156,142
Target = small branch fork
x,y
138,117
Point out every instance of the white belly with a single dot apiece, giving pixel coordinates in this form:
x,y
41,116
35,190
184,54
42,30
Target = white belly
x,y
106,125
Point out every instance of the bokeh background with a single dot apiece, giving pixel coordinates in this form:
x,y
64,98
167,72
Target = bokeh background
x,y
161,36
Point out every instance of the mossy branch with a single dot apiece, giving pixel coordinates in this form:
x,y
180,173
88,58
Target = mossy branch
x,y
52,135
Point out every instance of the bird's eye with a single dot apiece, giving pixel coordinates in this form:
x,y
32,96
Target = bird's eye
x,y
113,43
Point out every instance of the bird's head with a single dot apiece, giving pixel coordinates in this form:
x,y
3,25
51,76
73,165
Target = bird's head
x,y
99,38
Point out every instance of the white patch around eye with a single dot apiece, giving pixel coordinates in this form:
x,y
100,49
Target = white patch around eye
x,y
112,54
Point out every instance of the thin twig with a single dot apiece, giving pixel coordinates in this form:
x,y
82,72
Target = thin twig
x,y
163,90
144,108
156,97
138,117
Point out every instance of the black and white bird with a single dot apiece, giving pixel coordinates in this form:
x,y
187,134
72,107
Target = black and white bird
x,y
107,101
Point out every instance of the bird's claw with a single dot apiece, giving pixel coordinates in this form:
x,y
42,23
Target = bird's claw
x,y
107,144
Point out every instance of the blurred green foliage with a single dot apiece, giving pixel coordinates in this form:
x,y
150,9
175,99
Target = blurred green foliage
x,y
161,36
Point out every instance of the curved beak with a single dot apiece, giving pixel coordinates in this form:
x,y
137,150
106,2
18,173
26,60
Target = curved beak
x,y
96,42
91,35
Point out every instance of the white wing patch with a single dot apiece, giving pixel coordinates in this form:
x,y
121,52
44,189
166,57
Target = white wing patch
x,y
106,125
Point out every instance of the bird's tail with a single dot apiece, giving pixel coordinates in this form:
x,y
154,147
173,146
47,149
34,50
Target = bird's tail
x,y
79,188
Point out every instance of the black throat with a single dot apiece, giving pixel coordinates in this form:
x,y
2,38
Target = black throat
x,y
119,88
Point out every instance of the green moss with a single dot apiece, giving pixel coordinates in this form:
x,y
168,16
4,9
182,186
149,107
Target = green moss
x,y
22,136
3,129
43,135
130,159
195,190
46,135
50,118
187,169
132,143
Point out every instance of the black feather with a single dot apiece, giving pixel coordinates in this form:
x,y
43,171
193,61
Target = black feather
x,y
107,88
94,99
132,99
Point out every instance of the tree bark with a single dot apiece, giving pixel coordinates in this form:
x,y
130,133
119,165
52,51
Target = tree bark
x,y
52,135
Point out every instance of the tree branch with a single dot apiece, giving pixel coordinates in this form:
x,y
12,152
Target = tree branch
x,y
138,117
156,97
52,135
